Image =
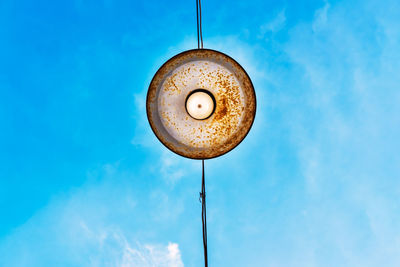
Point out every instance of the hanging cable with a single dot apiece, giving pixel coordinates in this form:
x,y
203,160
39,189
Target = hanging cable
x,y
203,183
199,25
204,214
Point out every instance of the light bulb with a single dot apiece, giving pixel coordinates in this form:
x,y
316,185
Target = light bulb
x,y
200,104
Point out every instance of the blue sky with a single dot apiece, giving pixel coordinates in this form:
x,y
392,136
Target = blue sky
x,y
84,182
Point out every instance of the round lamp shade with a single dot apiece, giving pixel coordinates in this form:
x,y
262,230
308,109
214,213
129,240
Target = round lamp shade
x,y
201,104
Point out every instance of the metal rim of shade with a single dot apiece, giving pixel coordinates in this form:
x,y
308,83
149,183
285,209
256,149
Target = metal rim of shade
x,y
154,117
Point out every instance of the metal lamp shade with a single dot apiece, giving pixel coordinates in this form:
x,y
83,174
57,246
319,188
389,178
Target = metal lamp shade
x,y
219,76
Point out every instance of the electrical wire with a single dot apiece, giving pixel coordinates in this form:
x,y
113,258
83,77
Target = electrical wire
x,y
203,183
204,214
199,25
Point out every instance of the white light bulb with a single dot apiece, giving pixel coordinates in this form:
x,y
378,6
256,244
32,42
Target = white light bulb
x,y
200,104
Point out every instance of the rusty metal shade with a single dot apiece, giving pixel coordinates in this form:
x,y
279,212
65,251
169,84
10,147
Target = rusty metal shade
x,y
206,71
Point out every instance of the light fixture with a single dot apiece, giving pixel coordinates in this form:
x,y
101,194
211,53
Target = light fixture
x,y
201,104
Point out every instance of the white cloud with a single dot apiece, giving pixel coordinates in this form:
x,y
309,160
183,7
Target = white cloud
x,y
273,26
100,224
321,17
152,256
343,125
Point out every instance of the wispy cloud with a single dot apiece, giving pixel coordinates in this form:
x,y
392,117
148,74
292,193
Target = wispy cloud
x,y
343,125
273,26
151,256
95,225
